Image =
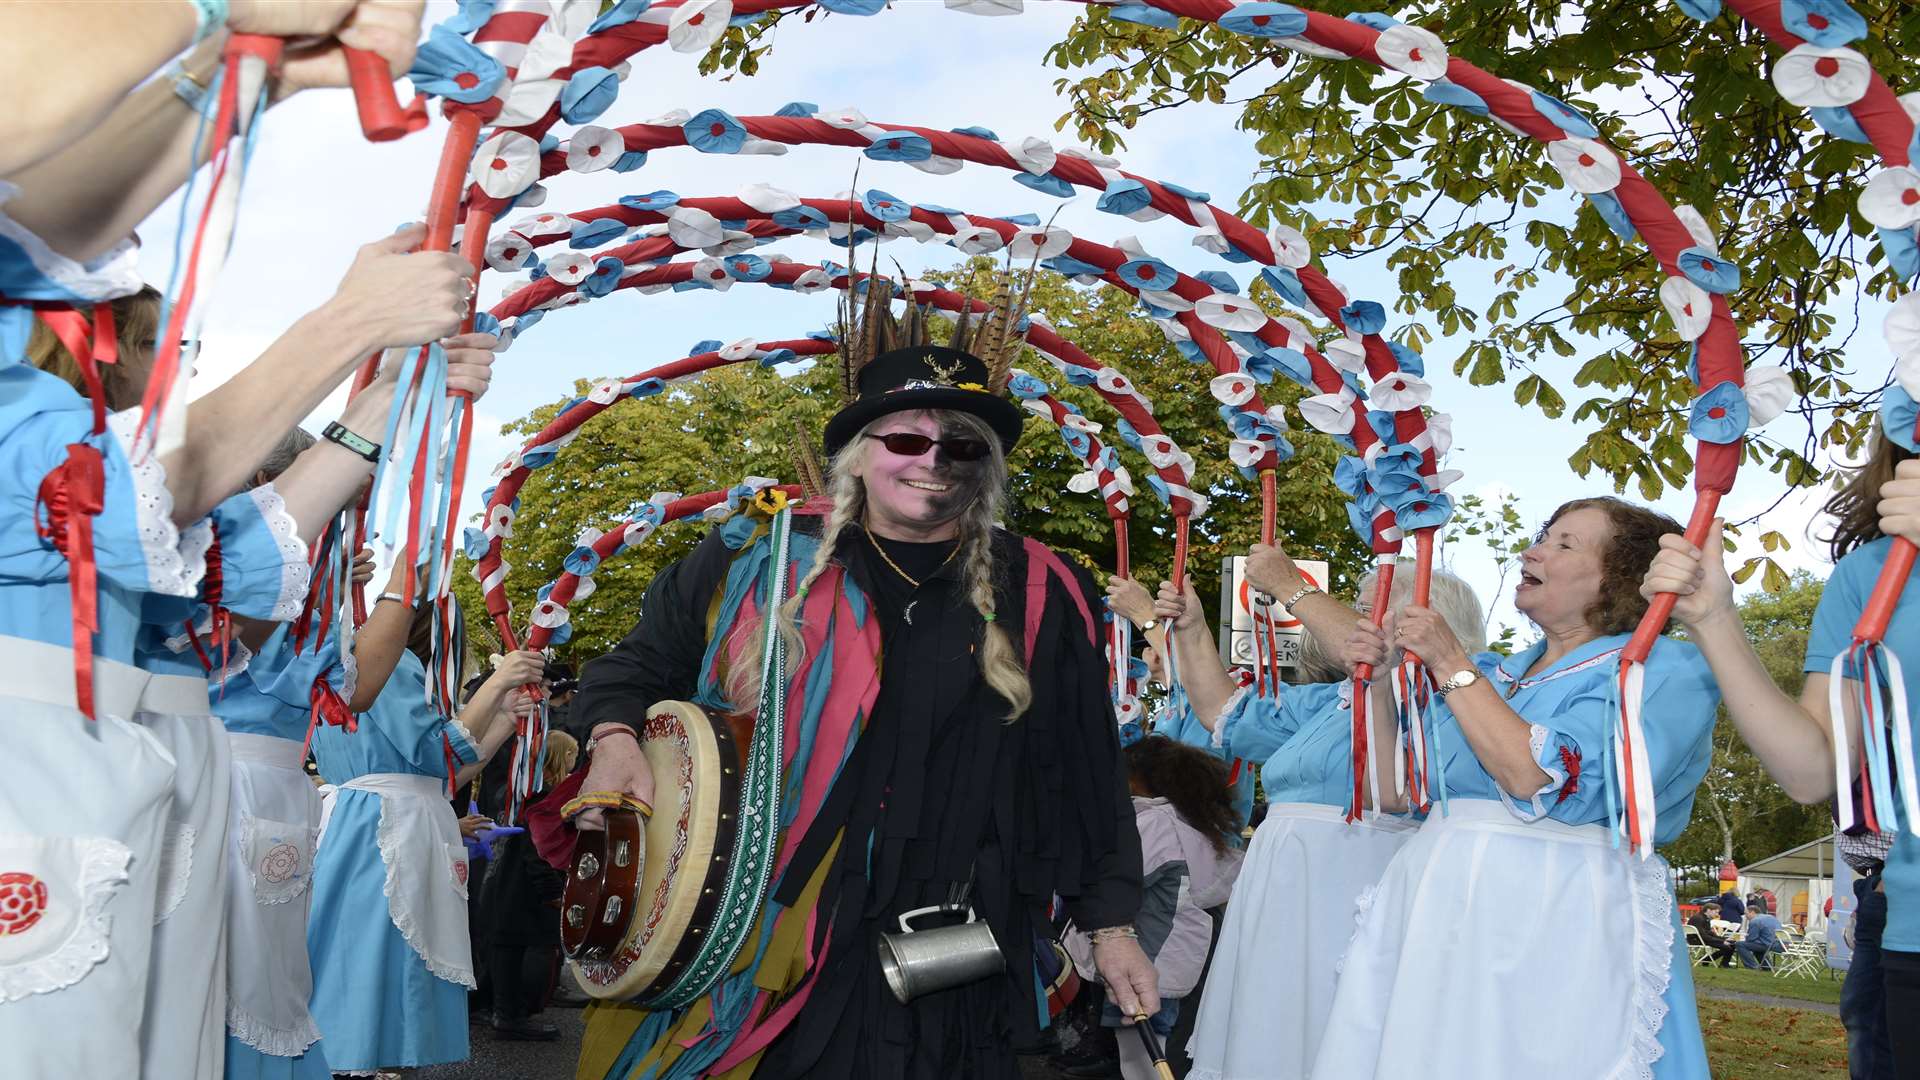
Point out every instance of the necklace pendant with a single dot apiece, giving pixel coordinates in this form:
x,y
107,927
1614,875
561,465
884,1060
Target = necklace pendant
x,y
907,615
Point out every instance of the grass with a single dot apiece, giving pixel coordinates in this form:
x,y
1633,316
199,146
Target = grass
x,y
1825,990
1752,1042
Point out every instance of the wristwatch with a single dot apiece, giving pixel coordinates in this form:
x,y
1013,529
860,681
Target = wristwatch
x,y
1460,679
338,434
1149,625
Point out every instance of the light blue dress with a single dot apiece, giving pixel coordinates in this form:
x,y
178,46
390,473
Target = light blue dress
x,y
271,1032
1569,901
83,803
1302,740
1840,606
390,979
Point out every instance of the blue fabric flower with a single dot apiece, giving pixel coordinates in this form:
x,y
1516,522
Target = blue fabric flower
x,y
1077,441
797,109
1564,116
1710,271
539,459
588,94
1186,193
775,357
604,278
1898,415
449,66
652,200
629,161
853,7
1420,509
900,146
1903,254
1144,15
715,131
1160,488
747,267
1265,20
1364,317
706,345
485,323
561,634
473,14
977,132
1410,362
1131,732
1443,92
1719,415
1249,423
581,561
1219,281
1614,214
1287,284
620,14
1381,423
536,272
1395,469
1360,511
1829,24
548,144
1702,10
886,207
1125,430
1838,121
1147,273
528,321
540,596
1281,360
1079,376
1124,196
801,217
1047,184
1377,20
1070,266
1350,476
1027,387
474,543
591,234
1191,351
646,388
1109,459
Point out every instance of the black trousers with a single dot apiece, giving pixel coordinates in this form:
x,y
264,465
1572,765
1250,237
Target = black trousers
x,y
522,979
1902,971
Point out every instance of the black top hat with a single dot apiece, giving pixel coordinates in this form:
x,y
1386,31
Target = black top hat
x,y
924,377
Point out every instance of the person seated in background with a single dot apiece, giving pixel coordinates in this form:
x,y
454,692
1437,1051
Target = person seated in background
x,y
1702,921
1763,938
1732,908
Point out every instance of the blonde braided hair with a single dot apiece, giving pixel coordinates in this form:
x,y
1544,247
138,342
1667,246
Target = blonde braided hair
x,y
1000,662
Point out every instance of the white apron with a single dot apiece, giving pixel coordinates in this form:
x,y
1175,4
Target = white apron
x,y
1496,949
275,819
83,809
426,868
1289,921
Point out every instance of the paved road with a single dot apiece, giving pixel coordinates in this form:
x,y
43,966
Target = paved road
x,y
493,1060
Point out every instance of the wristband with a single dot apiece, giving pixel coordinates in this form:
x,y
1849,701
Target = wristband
x,y
212,15
606,800
1305,591
393,596
1113,933
613,729
337,433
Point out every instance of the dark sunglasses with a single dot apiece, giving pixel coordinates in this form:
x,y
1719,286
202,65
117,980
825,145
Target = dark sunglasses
x,y
913,444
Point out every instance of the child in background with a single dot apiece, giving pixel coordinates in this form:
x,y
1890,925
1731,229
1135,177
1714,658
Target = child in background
x,y
1185,813
523,898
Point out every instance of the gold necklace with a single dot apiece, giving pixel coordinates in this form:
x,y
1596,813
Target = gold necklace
x,y
895,567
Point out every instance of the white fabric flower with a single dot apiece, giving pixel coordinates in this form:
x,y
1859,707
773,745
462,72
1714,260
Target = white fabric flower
x,y
583,587
1231,389
1035,155
762,147
1891,200
1290,247
1439,434
548,614
1166,300
509,251
1076,421
1225,311
976,240
1299,338
1400,391
1586,165
713,272
592,148
1246,453
1903,325
692,227
539,225
768,199
1346,354
812,280
1092,156
1688,305
937,165
506,165
670,118
1034,242
847,119
1442,479
740,350
605,393
569,268
693,27
1307,47
1906,370
1159,450
1697,227
1083,483
1329,413
1412,51
1812,77
1768,390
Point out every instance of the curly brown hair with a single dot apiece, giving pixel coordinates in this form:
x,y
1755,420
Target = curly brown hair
x,y
1630,550
1194,781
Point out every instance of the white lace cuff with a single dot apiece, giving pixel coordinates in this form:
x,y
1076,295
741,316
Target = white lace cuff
x,y
295,574
466,748
169,571
1536,806
1221,721
117,273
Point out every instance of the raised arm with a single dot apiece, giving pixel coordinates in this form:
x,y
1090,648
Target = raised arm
x,y
1202,673
1500,737
488,715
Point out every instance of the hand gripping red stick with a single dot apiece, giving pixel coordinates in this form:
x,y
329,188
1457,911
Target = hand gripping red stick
x,y
381,117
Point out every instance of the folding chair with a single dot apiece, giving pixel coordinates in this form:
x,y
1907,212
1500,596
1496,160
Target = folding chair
x,y
1697,949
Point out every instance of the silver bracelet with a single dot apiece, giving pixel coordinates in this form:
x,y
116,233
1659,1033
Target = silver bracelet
x,y
1305,591
1111,933
393,596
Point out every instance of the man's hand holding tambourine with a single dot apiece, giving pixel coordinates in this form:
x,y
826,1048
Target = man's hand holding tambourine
x,y
617,775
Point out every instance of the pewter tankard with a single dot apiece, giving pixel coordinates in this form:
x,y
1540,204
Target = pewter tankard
x,y
918,962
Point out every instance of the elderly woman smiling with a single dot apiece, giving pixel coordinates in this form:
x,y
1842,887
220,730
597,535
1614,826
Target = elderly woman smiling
x,y
1514,935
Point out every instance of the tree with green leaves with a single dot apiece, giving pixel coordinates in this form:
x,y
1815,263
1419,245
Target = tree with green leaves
x,y
709,433
1739,812
1363,162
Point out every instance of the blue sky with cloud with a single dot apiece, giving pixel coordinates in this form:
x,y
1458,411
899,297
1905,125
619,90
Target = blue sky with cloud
x,y
317,190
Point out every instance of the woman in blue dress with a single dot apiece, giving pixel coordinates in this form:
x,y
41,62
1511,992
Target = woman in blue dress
x,y
1291,915
1794,739
1514,935
390,979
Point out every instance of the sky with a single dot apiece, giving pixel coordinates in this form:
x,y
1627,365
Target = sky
x,y
317,189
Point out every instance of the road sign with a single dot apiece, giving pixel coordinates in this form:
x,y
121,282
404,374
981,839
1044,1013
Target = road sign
x,y
1236,633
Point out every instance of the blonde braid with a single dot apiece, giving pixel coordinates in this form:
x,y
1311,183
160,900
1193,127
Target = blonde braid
x,y
1000,662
